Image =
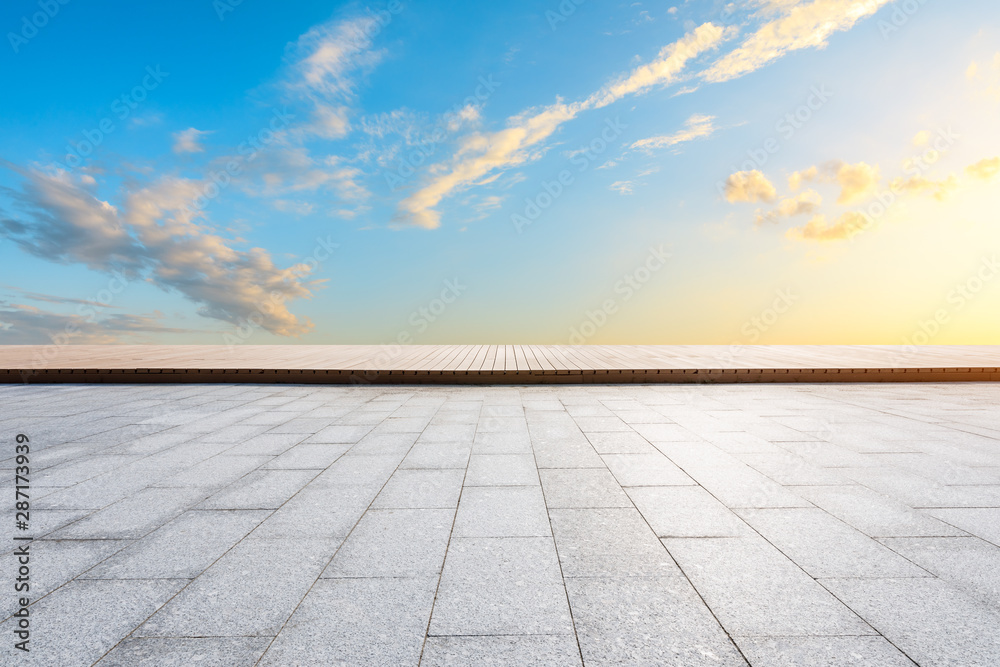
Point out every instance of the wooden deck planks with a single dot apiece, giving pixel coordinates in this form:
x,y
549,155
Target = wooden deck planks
x,y
499,361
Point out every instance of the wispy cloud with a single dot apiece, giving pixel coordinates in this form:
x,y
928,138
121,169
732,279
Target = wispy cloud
x,y
696,127
325,63
24,325
799,26
857,181
188,141
803,203
523,139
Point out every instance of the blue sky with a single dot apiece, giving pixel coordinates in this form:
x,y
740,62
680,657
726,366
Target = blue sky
x,y
770,171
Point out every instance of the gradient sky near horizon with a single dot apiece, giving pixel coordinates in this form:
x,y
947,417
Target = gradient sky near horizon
x,y
768,171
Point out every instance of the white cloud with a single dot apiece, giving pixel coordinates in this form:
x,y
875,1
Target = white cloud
x,y
697,126
984,169
26,325
480,154
857,181
804,203
800,25
188,141
749,186
623,187
161,237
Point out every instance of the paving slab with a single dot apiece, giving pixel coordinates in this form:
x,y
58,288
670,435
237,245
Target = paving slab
x,y
394,543
865,651
367,621
928,619
501,586
187,651
250,592
502,651
755,590
183,548
646,621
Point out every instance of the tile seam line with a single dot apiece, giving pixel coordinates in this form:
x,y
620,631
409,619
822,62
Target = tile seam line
x,y
346,537
451,532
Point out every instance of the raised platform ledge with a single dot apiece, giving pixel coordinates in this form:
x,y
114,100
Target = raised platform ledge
x,y
495,364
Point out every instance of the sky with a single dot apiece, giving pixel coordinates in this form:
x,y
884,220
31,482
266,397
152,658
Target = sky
x,y
550,172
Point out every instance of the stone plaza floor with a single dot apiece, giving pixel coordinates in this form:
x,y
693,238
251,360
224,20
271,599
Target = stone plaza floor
x,y
818,525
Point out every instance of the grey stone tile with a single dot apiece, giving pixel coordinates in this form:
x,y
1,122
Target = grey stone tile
x,y
385,443
445,433
756,591
83,620
53,563
394,543
43,522
357,622
582,487
267,444
307,457
608,542
664,432
646,621
501,586
237,596
824,546
183,548
423,489
502,511
302,426
186,651
438,455
686,511
872,513
929,620
789,469
917,491
568,451
967,562
822,652
500,651
645,470
735,484
502,443
134,516
80,469
319,511
620,442
984,523
216,472
261,489
735,442
501,470
346,434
